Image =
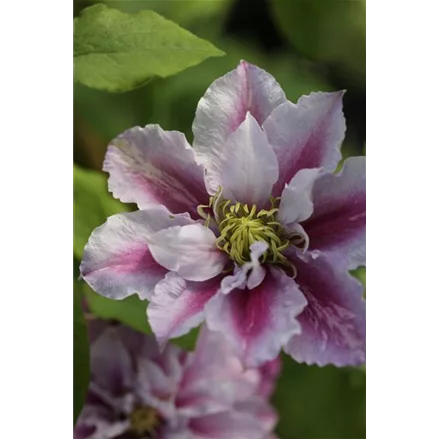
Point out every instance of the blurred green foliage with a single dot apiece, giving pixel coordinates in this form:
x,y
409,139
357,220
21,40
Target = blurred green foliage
x,y
320,46
320,403
187,13
326,30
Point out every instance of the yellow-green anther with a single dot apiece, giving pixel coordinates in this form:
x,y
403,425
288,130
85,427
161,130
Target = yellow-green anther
x,y
208,219
241,225
201,212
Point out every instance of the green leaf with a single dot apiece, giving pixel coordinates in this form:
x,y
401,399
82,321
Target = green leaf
x,y
81,359
92,205
130,311
116,51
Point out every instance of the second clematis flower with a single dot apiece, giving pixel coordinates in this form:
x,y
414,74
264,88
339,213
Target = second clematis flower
x,y
248,230
137,391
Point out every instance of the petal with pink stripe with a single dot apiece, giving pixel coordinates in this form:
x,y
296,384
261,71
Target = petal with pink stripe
x,y
260,321
177,305
224,107
188,250
117,261
338,224
306,135
248,167
296,202
334,322
111,365
214,361
236,423
150,166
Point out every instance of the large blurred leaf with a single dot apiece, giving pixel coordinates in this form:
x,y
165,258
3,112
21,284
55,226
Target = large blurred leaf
x,y
320,402
326,30
184,12
81,361
116,51
92,204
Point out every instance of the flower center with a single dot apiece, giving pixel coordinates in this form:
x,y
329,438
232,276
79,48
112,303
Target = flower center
x,y
241,225
144,422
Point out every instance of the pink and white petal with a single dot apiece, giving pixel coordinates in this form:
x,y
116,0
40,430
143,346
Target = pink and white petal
x,y
227,425
83,431
117,261
176,432
215,378
114,430
213,356
334,322
152,380
338,225
137,344
134,343
224,107
248,167
155,388
95,327
257,272
296,203
116,403
111,366
150,166
306,135
241,277
258,322
236,280
189,250
88,422
294,230
269,372
173,360
102,429
177,305
200,402
262,412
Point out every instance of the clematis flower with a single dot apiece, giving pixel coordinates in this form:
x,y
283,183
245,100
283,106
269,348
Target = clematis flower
x,y
269,373
248,230
138,392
